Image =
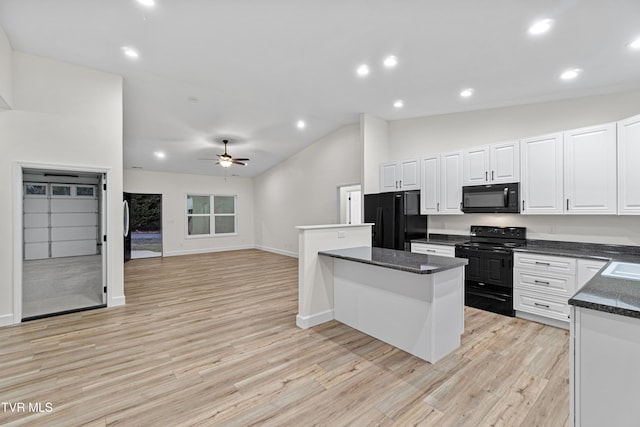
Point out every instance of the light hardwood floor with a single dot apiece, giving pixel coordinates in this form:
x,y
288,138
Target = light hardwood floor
x,y
210,340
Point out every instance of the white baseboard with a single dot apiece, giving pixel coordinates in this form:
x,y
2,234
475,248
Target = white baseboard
x,y
116,301
306,322
541,319
277,251
6,320
207,250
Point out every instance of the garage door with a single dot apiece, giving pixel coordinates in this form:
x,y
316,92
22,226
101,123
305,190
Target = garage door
x,y
60,220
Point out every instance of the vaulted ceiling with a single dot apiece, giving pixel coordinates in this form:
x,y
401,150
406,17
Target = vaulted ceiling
x,y
249,70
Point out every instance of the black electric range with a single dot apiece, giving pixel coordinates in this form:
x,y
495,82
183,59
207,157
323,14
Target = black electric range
x,y
489,274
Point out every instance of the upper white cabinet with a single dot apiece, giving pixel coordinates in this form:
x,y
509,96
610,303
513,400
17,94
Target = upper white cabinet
x,y
590,170
441,184
628,169
492,164
541,188
400,176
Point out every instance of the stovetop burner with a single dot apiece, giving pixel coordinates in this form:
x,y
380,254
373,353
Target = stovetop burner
x,y
495,238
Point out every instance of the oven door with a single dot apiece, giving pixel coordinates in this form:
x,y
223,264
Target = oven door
x,y
488,279
499,198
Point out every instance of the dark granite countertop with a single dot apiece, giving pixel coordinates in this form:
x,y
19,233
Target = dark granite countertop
x,y
610,294
443,239
582,250
397,260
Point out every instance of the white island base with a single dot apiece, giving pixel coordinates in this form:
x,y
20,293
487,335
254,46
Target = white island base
x,y
422,314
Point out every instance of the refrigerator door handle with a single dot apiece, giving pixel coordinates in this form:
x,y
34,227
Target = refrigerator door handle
x,y
379,229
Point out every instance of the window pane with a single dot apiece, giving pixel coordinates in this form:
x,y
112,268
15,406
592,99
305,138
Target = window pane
x,y
199,225
224,204
84,191
198,204
225,224
60,190
36,189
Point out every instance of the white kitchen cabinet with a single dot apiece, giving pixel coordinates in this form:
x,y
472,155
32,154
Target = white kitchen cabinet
x,y
586,269
400,176
492,164
433,249
590,170
441,176
542,286
604,379
542,185
628,170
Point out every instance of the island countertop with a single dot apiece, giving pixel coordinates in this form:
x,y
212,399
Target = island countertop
x,y
397,260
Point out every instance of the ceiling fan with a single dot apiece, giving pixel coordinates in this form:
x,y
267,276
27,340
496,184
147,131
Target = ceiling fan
x,y
225,160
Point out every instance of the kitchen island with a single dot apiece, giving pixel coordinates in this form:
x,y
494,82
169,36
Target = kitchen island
x,y
412,301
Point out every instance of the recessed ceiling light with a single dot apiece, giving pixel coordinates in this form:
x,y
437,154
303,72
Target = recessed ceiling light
x,y
130,52
635,44
301,124
570,74
148,3
541,27
363,70
193,99
390,61
466,93
399,103
160,154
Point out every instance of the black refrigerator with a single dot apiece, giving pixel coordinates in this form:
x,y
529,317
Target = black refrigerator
x,y
396,218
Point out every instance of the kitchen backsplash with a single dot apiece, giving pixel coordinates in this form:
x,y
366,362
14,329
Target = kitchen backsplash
x,y
617,230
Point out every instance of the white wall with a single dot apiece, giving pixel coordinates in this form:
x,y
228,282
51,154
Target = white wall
x,y
374,134
427,135
439,134
67,115
6,90
174,189
302,190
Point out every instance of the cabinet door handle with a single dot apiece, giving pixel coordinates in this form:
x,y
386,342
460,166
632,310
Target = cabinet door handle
x,y
541,282
396,184
492,175
400,183
431,250
438,207
543,263
523,205
537,304
486,176
567,204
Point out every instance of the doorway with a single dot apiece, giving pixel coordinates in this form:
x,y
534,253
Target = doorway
x,y
143,225
62,237
350,204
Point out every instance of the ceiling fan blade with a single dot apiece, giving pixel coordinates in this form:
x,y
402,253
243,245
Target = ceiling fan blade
x,y
236,162
241,159
206,159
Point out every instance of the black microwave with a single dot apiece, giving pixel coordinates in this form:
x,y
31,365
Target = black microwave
x,y
493,198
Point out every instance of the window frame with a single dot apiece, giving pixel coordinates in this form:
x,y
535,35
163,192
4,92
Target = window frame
x,y
212,215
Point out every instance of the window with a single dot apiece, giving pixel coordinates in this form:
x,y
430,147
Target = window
x,y
202,221
31,189
85,191
61,190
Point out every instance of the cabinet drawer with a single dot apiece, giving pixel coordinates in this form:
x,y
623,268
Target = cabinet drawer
x,y
542,305
558,284
430,249
545,263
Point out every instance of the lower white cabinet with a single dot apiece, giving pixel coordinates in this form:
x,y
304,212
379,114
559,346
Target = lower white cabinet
x,y
543,284
433,249
604,378
587,268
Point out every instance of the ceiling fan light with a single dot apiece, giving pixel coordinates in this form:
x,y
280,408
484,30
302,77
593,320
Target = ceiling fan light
x,y
225,163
